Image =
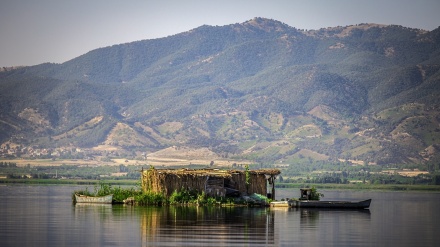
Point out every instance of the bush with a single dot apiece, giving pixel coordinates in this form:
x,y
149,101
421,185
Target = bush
x,y
183,196
150,199
315,195
102,189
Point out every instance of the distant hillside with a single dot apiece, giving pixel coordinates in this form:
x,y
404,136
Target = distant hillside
x,y
259,90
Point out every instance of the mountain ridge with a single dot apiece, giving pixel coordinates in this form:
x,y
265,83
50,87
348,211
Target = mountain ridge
x,y
258,83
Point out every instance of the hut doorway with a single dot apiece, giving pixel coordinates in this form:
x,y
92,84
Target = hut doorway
x,y
271,181
219,186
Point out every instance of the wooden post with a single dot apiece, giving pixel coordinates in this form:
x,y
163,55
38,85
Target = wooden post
x,y
273,186
142,180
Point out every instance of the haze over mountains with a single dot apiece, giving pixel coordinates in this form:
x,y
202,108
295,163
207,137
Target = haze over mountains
x,y
259,90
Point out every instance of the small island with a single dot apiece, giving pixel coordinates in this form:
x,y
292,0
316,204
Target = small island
x,y
194,186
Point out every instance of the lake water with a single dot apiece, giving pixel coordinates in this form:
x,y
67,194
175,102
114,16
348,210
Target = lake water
x,y
45,216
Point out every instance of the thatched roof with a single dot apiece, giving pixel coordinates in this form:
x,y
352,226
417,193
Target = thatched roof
x,y
215,172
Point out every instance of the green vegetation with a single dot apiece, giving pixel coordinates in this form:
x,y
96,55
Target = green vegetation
x,y
306,172
323,172
71,172
385,187
315,195
63,181
148,198
191,197
102,189
248,177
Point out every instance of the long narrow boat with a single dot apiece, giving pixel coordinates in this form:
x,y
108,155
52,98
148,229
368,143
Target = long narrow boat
x,y
308,200
94,199
329,204
322,204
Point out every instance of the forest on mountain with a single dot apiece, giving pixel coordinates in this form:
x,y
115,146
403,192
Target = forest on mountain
x,y
259,90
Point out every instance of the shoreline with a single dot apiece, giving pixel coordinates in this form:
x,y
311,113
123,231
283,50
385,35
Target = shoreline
x,y
66,181
387,187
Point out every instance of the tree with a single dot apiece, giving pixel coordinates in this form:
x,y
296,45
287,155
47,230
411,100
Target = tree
x,y
436,179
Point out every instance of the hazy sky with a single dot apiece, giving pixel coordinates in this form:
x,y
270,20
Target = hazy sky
x,y
38,31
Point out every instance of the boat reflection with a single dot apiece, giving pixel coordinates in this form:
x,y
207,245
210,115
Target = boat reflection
x,y
311,217
92,210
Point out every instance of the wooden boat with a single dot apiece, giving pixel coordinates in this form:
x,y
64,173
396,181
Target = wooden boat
x,y
329,204
305,202
322,204
94,199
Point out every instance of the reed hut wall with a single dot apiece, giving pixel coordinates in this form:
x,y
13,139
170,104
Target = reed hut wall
x,y
258,183
168,181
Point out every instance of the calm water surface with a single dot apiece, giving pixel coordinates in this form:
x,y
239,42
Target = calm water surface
x,y
44,216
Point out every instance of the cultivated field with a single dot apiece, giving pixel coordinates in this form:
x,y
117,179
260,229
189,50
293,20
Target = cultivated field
x,y
173,156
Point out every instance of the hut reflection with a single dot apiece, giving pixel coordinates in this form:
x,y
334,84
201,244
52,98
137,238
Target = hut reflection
x,y
206,225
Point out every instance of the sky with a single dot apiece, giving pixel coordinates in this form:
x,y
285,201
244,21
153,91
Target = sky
x,y
39,31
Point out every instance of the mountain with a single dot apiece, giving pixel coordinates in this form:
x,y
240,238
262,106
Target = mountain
x,y
259,90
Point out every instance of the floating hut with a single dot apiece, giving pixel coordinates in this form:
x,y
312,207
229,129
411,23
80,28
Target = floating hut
x,y
213,182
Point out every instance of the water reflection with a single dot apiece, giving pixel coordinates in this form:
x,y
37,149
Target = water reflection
x,y
222,226
311,216
95,211
201,226
314,212
45,216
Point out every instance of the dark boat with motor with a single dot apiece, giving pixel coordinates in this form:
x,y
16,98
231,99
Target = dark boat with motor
x,y
305,202
329,204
